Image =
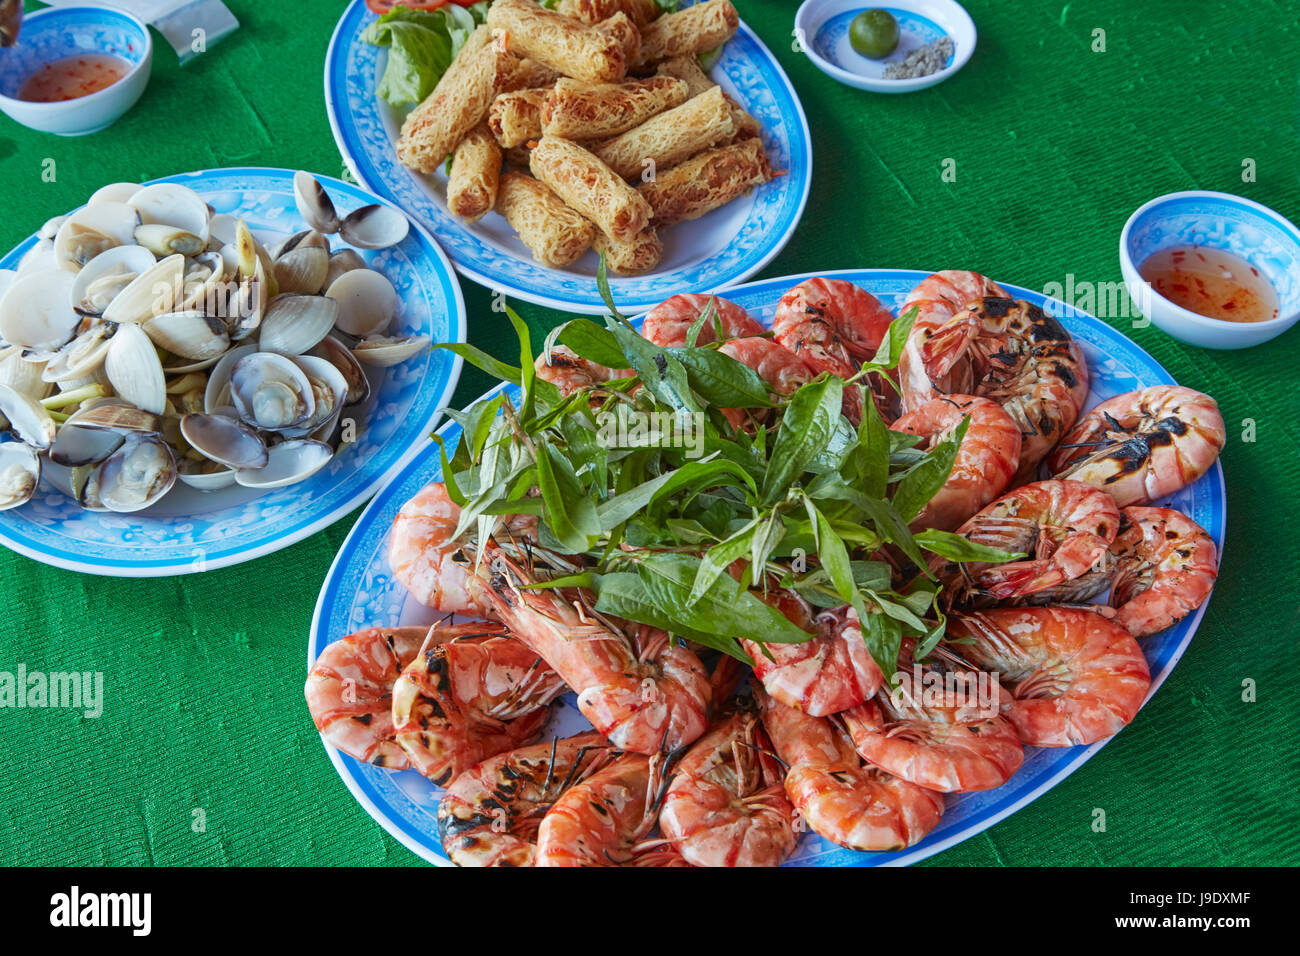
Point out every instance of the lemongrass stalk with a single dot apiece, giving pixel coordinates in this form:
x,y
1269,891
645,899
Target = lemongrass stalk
x,y
74,396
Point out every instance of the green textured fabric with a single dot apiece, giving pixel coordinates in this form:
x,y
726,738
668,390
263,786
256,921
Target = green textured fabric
x,y
1054,145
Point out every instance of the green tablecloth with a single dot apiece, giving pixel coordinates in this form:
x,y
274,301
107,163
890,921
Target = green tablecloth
x,y
1054,145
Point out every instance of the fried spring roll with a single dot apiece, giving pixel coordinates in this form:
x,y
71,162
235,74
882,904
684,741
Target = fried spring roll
x,y
689,32
625,32
475,174
559,42
591,111
516,117
456,105
637,255
707,181
555,234
590,187
527,74
746,126
640,12
665,140
687,69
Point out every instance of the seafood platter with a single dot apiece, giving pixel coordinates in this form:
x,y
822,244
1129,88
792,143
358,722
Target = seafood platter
x,y
543,647
203,369
671,146
836,568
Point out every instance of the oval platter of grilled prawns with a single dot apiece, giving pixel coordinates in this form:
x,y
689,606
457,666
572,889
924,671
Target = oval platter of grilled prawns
x,y
661,135
832,569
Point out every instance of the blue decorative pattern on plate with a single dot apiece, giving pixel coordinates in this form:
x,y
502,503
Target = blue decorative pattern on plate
x,y
360,591
193,531
720,249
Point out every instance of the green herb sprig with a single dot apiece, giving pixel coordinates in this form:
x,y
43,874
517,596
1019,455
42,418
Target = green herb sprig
x,y
691,539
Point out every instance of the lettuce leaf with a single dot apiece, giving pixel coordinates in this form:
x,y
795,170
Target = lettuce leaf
x,y
421,45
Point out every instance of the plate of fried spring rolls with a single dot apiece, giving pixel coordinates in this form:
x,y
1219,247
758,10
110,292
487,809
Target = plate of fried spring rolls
x,y
561,136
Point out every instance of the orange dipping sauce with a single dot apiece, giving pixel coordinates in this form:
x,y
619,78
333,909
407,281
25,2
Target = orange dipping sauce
x,y
1212,283
73,77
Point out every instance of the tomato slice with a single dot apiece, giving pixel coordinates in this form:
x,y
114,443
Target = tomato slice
x,y
385,6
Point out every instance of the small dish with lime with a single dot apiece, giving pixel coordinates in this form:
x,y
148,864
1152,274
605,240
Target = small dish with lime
x,y
905,46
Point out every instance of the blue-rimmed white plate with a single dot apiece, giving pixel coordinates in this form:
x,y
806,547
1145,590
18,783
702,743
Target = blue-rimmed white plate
x,y
194,531
715,251
360,591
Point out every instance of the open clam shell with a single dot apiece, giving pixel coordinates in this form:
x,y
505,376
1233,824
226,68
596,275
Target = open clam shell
x,y
115,414
314,203
132,478
306,239
224,440
217,393
302,269
386,351
27,418
192,335
345,260
134,371
222,230
108,275
294,324
271,392
92,230
248,305
367,301
51,228
204,475
156,291
374,227
39,258
113,192
172,205
334,351
95,431
205,284
36,311
288,462
82,357
330,390
23,375
20,474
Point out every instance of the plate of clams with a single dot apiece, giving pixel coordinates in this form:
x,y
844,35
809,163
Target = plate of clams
x,y
203,369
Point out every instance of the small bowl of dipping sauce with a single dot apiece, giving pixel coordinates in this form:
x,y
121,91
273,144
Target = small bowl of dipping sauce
x,y
75,70
1213,269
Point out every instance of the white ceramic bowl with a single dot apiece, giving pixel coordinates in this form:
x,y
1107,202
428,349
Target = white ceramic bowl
x,y
822,28
1268,241
57,32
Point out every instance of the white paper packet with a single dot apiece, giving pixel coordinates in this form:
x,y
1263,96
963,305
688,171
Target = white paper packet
x,y
190,26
